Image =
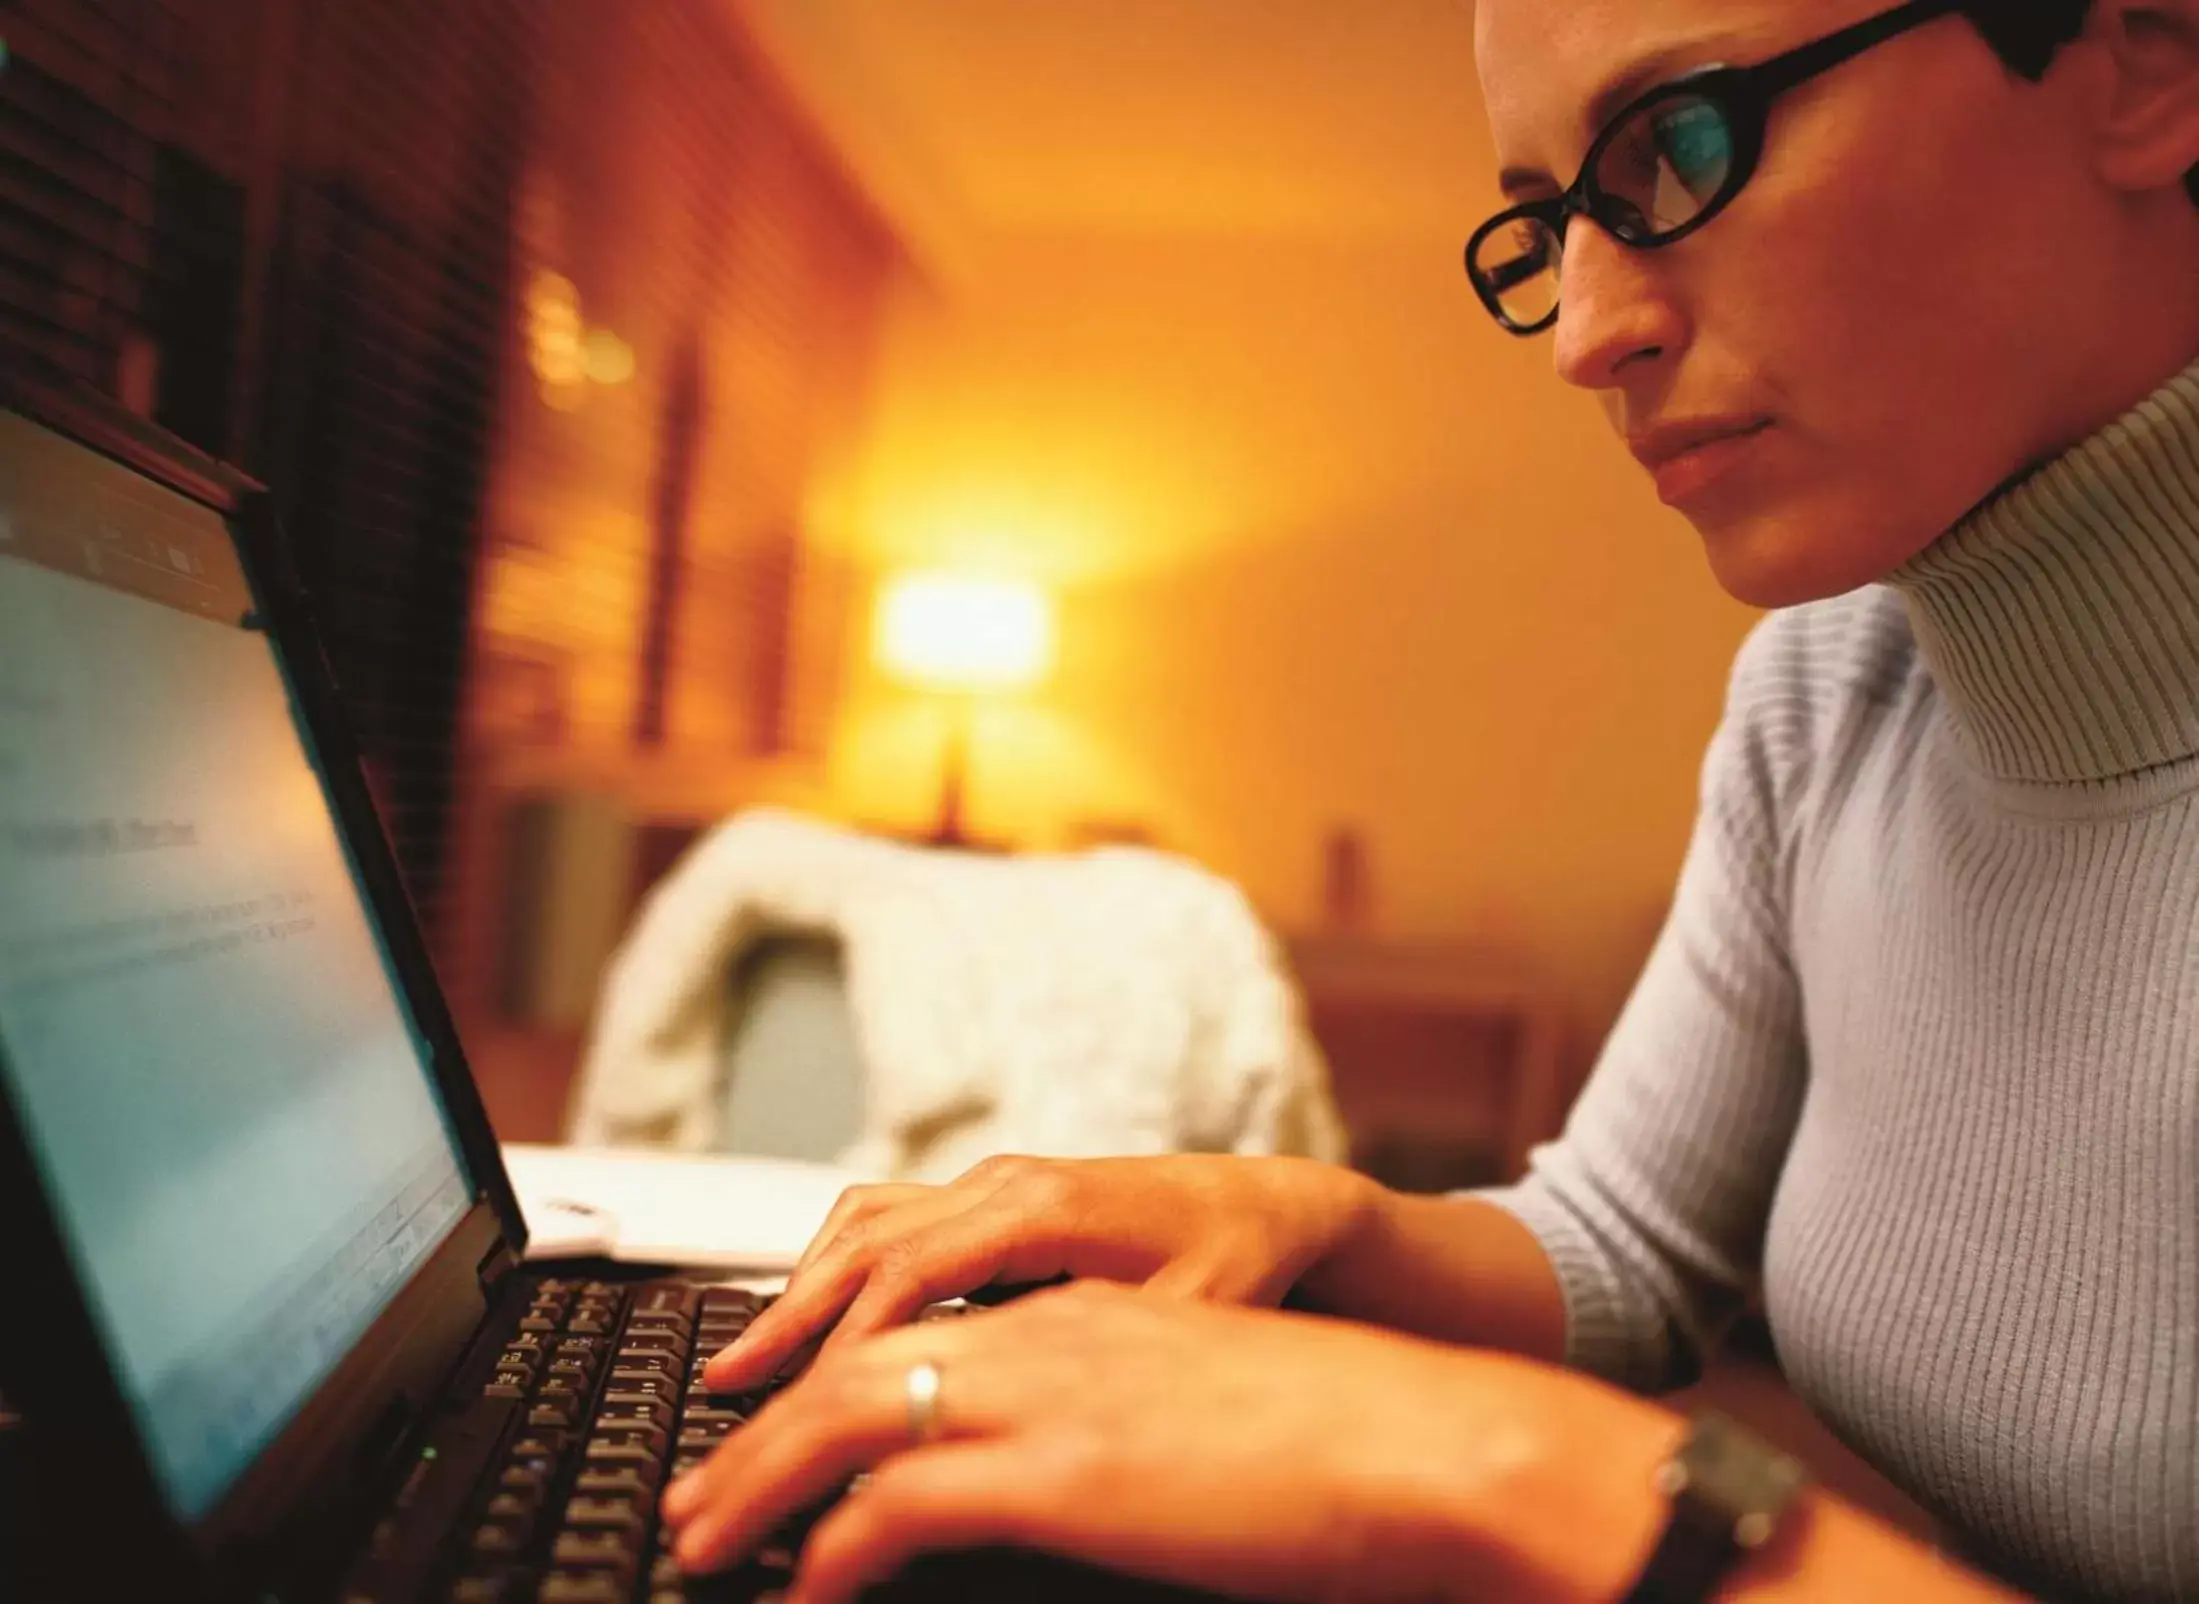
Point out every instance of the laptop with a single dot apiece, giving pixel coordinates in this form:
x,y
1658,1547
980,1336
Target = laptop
x,y
262,1306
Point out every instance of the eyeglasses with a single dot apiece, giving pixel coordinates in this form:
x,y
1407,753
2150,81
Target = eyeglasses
x,y
1661,169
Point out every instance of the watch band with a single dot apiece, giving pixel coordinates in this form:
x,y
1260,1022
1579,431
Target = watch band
x,y
1728,1494
1695,1549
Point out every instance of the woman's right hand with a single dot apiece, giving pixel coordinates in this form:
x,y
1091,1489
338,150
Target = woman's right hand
x,y
1230,1230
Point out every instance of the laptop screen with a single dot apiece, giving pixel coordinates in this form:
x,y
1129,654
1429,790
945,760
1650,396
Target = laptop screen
x,y
202,1036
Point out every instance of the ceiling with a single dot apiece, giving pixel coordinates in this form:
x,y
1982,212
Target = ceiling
x,y
1149,114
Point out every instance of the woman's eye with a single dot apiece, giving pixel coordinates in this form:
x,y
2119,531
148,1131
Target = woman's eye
x,y
1696,145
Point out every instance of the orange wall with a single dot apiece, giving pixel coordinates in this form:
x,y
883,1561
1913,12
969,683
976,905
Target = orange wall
x,y
1328,549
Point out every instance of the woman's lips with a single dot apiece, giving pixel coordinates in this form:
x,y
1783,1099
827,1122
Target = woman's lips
x,y
1684,475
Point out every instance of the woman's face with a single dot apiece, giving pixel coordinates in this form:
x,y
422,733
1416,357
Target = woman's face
x,y
1905,305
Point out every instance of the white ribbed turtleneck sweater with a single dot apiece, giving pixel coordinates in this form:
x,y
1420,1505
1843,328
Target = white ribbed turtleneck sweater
x,y
1918,1049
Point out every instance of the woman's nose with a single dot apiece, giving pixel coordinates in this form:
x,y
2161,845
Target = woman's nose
x,y
1614,308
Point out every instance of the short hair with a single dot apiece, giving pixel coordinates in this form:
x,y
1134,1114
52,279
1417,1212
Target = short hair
x,y
2026,34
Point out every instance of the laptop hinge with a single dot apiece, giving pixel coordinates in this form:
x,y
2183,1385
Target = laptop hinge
x,y
496,1265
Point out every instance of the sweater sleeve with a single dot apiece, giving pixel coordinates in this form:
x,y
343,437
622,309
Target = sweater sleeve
x,y
1652,1204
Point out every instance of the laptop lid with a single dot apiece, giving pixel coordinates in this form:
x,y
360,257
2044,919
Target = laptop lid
x,y
245,1181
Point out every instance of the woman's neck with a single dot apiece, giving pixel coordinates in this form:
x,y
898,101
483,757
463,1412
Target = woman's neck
x,y
2061,617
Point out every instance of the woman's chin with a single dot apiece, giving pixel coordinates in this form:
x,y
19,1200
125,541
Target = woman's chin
x,y
1771,562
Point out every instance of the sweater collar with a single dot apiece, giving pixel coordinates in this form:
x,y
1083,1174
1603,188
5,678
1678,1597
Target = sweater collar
x,y
2061,617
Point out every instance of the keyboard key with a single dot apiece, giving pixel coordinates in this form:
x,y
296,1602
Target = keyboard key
x,y
705,1415
608,1514
626,1434
637,1386
620,1482
631,1410
666,1297
490,1587
536,1323
518,1507
611,1456
582,1587
732,1298
525,1478
497,1540
501,1388
549,1414
596,1550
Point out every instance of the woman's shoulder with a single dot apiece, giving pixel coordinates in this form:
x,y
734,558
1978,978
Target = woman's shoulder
x,y
1813,684
1856,648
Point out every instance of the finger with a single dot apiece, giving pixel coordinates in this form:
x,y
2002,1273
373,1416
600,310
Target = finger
x,y
974,1250
1199,1278
852,1207
956,1495
797,1452
813,1300
1064,1493
859,1203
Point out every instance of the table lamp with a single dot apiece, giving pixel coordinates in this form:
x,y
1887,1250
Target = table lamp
x,y
960,637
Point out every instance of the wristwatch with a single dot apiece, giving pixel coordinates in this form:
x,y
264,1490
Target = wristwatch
x,y
1729,1492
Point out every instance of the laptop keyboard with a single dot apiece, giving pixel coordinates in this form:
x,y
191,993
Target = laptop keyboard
x,y
606,1384
608,1380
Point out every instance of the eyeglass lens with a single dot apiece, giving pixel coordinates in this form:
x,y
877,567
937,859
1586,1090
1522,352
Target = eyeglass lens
x,y
1665,164
1654,174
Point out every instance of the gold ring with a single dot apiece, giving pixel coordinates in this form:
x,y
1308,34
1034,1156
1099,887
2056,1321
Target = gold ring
x,y
922,1387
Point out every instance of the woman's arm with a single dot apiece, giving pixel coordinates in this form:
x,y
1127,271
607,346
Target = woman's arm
x,y
1602,1483
1456,1269
1650,1212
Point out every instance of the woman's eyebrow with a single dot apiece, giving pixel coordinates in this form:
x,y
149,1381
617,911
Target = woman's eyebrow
x,y
1665,62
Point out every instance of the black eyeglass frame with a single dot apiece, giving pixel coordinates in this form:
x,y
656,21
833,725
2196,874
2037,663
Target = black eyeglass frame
x,y
1743,94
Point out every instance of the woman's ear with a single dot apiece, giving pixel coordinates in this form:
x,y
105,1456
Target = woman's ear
x,y
2145,124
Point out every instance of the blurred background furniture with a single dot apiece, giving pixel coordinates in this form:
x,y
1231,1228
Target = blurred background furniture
x,y
1110,1002
793,1075
1447,1061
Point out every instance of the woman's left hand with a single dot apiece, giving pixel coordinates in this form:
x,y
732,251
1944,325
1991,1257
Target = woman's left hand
x,y
1249,1452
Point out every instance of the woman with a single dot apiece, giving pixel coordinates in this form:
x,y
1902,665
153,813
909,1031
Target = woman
x,y
1912,307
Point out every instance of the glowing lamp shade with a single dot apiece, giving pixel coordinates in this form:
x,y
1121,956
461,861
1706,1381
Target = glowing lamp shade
x,y
951,632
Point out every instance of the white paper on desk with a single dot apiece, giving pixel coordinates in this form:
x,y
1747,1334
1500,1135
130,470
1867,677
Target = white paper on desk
x,y
646,1207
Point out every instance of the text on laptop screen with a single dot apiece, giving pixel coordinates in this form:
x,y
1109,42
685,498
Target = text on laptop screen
x,y
229,1102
